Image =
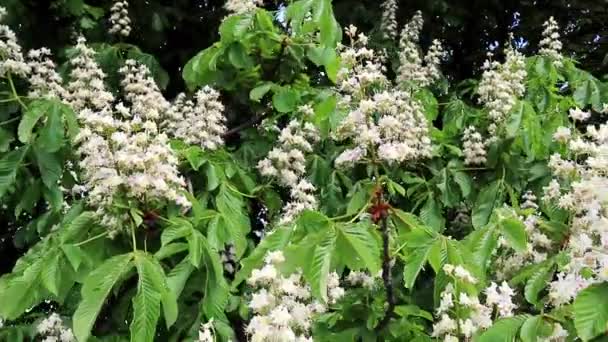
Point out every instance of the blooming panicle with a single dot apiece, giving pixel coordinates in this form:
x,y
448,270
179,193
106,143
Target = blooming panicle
x,y
414,68
388,123
86,88
45,81
283,306
361,67
119,18
242,6
122,151
581,187
199,122
388,24
473,147
12,60
286,163
140,89
550,45
475,316
501,85
52,329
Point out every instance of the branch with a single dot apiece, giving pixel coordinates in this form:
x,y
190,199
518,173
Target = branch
x,y
387,276
254,120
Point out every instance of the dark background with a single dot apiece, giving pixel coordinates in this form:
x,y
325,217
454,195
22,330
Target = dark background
x,y
174,31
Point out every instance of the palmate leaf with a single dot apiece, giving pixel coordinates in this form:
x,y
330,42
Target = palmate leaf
x,y
9,166
94,291
485,204
217,290
317,268
232,208
20,292
152,289
590,311
503,330
357,245
537,282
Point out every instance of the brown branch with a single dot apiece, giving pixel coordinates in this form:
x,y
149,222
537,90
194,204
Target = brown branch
x,y
254,120
387,276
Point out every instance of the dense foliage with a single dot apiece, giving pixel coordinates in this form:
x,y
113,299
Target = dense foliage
x,y
313,183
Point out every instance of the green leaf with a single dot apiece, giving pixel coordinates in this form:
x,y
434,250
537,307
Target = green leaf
x,y
232,208
237,55
483,243
537,282
503,330
235,26
329,28
485,204
257,93
514,120
216,291
152,289
429,103
9,165
588,93
285,100
178,276
535,328
29,120
317,269
94,291
6,138
358,243
590,311
415,260
515,232
50,165
52,134
431,214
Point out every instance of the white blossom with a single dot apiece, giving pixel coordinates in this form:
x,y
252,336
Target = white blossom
x,y
119,18
52,328
242,6
473,147
283,306
550,45
11,56
501,85
388,24
206,332
199,122
414,68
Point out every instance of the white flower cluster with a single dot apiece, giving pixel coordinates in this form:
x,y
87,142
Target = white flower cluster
x,y
361,68
199,122
287,164
411,66
388,24
500,86
474,316
127,155
242,6
382,123
11,57
550,45
119,18
473,147
51,329
283,306
45,81
585,194
205,332
358,278
390,125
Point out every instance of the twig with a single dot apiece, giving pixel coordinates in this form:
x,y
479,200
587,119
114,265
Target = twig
x,y
387,276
